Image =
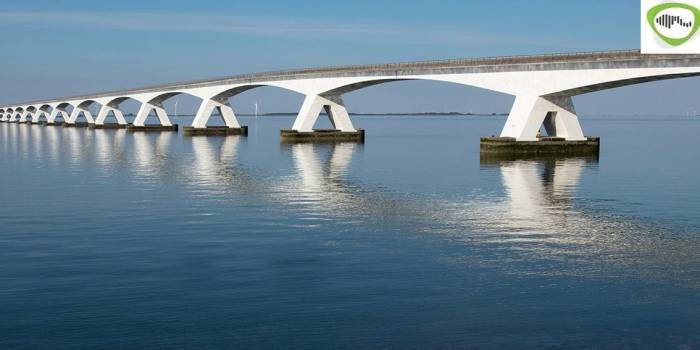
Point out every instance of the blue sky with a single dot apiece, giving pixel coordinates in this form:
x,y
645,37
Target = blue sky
x,y
65,47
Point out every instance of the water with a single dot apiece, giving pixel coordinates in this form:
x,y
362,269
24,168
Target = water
x,y
118,240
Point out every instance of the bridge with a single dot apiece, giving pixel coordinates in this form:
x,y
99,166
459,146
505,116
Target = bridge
x,y
543,86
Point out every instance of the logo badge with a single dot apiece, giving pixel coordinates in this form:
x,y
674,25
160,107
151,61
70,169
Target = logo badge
x,y
670,27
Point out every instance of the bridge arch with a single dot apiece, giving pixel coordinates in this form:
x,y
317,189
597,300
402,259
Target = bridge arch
x,y
153,102
60,110
112,105
328,96
29,111
613,84
41,111
17,114
83,108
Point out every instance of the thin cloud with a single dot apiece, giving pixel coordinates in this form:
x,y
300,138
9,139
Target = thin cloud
x,y
179,22
296,28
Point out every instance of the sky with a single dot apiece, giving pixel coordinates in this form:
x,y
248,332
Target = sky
x,y
55,48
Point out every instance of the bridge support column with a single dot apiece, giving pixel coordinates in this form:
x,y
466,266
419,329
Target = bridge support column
x,y
529,113
54,114
37,116
72,120
102,116
140,120
23,117
208,106
303,128
520,135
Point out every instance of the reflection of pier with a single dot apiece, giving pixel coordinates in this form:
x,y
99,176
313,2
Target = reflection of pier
x,y
322,179
540,193
213,169
150,156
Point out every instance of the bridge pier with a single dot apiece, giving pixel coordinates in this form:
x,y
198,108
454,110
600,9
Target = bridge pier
x,y
38,114
140,120
109,126
73,119
54,114
206,109
303,128
529,114
102,116
23,117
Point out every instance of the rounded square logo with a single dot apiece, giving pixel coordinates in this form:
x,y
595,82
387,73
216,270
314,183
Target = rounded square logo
x,y
669,27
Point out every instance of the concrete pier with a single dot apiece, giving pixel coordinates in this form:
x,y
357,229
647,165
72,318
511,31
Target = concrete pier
x,y
76,125
109,126
215,130
155,127
508,146
54,124
322,136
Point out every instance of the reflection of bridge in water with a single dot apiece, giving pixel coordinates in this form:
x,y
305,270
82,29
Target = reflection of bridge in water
x,y
538,217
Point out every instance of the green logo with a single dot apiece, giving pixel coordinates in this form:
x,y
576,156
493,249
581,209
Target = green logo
x,y
668,20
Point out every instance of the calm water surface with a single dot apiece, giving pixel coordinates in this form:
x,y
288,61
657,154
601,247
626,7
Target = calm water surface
x,y
118,240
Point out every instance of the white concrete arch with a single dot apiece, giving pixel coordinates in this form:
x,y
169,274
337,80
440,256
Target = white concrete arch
x,y
542,97
16,114
42,110
154,102
59,109
29,112
218,99
112,105
81,107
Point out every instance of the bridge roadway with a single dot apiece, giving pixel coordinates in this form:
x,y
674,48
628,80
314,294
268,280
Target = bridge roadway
x,y
542,85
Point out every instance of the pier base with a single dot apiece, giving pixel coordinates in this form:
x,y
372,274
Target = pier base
x,y
152,128
76,125
109,126
41,122
322,136
215,130
546,146
54,124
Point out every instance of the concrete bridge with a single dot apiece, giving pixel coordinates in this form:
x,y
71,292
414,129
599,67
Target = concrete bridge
x,y
543,86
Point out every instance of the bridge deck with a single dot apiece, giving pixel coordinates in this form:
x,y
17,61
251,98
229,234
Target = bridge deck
x,y
514,63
